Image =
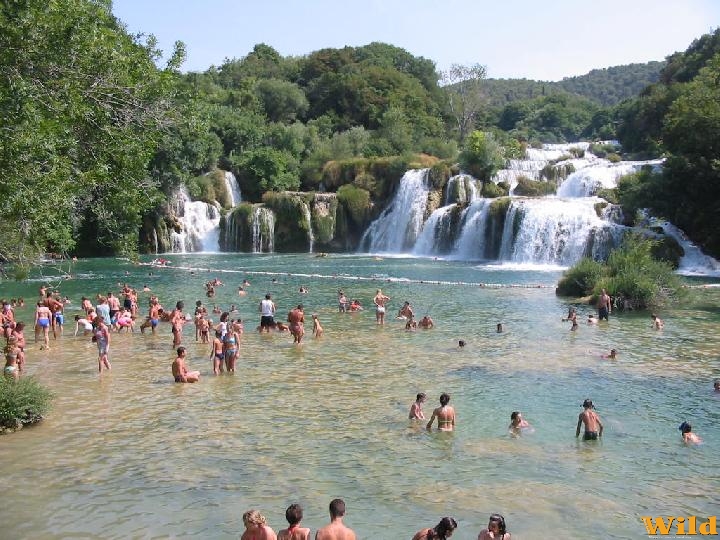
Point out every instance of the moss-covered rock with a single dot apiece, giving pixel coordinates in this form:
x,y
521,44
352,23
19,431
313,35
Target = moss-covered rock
x,y
534,188
491,190
292,228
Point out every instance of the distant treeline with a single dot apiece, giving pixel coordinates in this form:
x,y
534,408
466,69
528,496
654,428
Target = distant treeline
x,y
96,135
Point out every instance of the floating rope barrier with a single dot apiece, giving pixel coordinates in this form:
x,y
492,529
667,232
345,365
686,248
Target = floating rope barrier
x,y
374,278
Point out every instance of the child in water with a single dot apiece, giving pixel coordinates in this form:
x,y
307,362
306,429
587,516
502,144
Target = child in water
x,y
611,356
688,436
518,423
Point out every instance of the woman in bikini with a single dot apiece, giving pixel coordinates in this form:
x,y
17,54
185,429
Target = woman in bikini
x,y
294,515
12,351
43,316
445,415
231,342
216,353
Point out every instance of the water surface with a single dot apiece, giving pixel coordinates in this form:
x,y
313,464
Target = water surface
x,y
133,455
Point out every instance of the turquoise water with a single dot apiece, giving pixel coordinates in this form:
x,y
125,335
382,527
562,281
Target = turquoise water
x,y
130,454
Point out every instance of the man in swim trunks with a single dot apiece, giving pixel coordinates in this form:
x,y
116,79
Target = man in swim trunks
x,y
177,320
267,314
296,320
380,300
604,305
591,420
179,369
444,413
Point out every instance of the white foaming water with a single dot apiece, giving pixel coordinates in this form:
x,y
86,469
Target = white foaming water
x,y
233,189
263,230
201,225
432,230
694,262
554,231
471,244
308,220
398,227
601,174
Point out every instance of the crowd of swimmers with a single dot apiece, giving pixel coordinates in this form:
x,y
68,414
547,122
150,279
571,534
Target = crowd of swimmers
x,y
110,314
257,528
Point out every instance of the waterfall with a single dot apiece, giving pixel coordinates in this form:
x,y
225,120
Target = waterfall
x,y
200,221
603,175
398,227
435,229
471,244
693,261
233,189
552,230
555,231
308,220
263,230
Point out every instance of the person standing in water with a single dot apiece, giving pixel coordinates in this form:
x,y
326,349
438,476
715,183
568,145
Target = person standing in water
x,y
294,515
267,314
336,530
445,415
379,301
591,420
101,337
416,411
296,320
604,305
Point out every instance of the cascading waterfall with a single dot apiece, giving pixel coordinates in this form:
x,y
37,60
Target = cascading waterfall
x,y
552,230
693,261
471,244
555,231
398,227
308,220
435,229
603,175
200,221
263,230
233,189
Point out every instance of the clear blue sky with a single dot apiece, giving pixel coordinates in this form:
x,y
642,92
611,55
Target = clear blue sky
x,y
543,40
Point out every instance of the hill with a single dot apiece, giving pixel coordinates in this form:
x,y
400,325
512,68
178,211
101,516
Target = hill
x,y
607,86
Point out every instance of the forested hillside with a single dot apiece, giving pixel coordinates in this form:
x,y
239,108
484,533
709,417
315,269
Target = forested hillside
x,y
97,135
608,86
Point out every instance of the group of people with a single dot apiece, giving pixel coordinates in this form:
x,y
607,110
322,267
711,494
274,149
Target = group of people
x,y
257,528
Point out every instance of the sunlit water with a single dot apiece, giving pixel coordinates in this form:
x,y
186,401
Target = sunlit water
x,y
133,455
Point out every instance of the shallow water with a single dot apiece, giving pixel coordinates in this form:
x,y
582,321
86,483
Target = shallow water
x,y
133,455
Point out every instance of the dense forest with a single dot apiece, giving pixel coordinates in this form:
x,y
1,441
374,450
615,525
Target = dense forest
x,y
97,134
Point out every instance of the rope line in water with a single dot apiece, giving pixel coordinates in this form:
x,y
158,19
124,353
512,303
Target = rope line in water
x,y
376,278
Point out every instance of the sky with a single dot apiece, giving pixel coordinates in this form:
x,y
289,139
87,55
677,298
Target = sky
x,y
541,40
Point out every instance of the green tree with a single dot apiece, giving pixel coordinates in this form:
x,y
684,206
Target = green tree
x,y
482,156
82,106
465,98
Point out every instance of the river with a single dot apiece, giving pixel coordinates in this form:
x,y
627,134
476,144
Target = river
x,y
130,454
